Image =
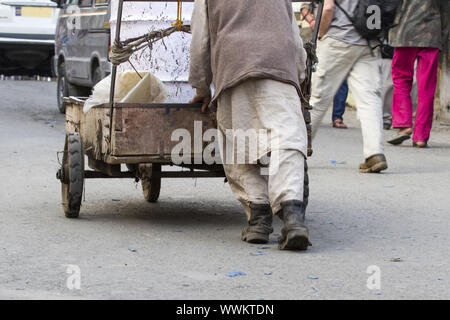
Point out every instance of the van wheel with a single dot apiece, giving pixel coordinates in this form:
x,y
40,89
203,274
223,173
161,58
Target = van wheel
x,y
96,75
52,67
62,87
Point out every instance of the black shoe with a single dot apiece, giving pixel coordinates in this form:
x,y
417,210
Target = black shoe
x,y
294,234
399,138
260,224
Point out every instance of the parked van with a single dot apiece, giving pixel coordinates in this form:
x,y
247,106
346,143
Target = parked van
x,y
81,46
27,36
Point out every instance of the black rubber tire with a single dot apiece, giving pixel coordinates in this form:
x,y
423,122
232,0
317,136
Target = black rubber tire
x,y
62,87
52,68
151,187
73,166
66,89
96,75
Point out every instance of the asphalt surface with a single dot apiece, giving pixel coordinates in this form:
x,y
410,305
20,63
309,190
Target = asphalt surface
x,y
183,246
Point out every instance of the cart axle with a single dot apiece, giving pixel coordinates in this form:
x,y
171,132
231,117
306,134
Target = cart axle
x,y
166,174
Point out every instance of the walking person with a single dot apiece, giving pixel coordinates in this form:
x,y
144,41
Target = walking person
x,y
344,53
339,104
256,62
307,14
387,53
418,37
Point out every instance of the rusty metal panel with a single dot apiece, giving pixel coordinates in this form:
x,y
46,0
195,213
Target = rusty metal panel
x,y
148,131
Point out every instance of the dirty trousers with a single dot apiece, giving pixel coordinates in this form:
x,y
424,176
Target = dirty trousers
x,y
337,61
274,107
402,76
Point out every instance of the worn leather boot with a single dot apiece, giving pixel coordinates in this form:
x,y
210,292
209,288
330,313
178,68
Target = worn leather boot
x,y
260,224
294,234
374,164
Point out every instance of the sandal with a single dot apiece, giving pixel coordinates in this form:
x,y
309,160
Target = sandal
x,y
399,138
339,124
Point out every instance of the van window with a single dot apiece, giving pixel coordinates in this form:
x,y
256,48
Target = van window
x,y
101,2
85,3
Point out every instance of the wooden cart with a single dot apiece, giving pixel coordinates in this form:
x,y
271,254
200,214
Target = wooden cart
x,y
136,135
139,136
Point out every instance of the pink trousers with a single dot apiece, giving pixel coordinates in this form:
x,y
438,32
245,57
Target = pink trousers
x,y
402,77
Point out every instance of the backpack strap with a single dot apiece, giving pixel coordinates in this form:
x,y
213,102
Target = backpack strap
x,y
352,21
345,12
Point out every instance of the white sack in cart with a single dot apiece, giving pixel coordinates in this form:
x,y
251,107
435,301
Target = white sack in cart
x,y
130,88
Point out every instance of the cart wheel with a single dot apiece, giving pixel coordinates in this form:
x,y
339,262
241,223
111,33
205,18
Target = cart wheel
x,y
71,175
151,186
306,186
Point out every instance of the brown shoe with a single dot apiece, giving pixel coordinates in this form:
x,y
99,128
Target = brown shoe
x,y
420,144
374,164
339,124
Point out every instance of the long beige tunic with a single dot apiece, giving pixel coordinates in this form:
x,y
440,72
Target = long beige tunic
x,y
256,104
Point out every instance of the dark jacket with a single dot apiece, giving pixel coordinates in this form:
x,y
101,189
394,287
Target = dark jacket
x,y
251,39
420,23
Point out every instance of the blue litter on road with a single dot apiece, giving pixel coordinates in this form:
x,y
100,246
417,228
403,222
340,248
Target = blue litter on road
x,y
258,253
313,277
235,274
337,162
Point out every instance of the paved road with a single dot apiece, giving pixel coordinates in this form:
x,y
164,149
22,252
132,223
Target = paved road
x,y
186,243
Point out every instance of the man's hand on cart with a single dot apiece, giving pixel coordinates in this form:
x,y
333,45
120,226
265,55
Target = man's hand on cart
x,y
205,101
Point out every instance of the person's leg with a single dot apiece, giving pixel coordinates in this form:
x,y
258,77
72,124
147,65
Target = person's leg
x,y
286,193
387,92
244,179
402,77
339,102
286,180
336,58
427,67
365,84
279,111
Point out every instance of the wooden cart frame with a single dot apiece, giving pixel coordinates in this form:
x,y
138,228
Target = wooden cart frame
x,y
138,135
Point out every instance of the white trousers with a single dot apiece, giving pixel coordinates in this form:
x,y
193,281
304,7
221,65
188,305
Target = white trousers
x,y
337,61
273,106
